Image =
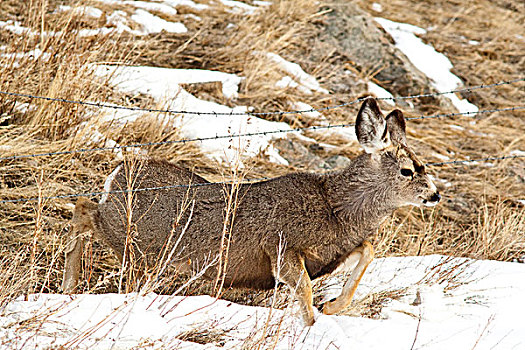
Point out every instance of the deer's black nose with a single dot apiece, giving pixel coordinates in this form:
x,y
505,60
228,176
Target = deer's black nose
x,y
436,197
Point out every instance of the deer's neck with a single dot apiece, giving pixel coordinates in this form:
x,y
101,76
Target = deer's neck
x,y
359,195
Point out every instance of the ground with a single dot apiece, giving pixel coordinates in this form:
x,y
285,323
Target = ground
x,y
263,58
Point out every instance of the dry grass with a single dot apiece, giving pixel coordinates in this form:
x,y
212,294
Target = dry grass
x,y
479,216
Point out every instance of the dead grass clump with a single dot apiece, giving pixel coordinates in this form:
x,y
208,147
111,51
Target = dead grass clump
x,y
206,334
497,234
371,305
480,215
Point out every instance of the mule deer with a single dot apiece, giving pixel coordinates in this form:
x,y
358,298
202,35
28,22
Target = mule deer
x,y
325,220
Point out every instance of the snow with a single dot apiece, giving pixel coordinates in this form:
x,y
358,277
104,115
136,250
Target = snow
x,y
14,27
518,153
312,115
163,84
158,82
187,3
151,6
346,133
88,11
445,183
440,156
94,136
34,54
442,303
288,82
262,3
434,64
119,20
151,24
148,22
107,184
456,127
377,7
239,7
380,92
298,75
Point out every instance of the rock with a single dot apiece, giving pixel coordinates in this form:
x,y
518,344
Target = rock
x,y
337,162
358,39
305,157
298,155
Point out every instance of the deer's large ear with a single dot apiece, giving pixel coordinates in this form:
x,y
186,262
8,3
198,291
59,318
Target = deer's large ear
x,y
397,127
371,127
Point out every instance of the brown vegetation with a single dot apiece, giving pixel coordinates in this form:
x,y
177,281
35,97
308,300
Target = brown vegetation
x,y
480,216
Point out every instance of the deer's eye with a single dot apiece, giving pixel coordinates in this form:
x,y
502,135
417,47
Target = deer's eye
x,y
407,172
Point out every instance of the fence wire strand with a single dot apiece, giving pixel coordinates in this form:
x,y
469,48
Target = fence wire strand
x,y
169,111
250,134
245,181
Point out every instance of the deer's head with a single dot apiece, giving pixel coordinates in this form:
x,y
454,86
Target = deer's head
x,y
393,162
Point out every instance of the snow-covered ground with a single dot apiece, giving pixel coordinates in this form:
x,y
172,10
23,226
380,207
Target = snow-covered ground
x,y
434,64
215,123
442,303
164,84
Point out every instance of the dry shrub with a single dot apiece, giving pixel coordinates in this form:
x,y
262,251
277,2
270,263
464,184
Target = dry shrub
x,y
479,216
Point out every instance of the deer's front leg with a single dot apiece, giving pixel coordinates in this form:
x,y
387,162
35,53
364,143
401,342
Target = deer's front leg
x,y
365,253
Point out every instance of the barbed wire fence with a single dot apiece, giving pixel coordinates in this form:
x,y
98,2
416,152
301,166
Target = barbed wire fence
x,y
170,111
244,181
250,134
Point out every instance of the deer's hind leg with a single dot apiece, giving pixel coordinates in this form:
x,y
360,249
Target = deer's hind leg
x,y
365,254
81,223
292,271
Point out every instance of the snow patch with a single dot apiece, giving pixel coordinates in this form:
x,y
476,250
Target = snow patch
x,y
377,7
518,153
345,133
288,82
380,92
434,64
239,7
187,3
163,85
456,127
108,182
14,27
88,11
477,303
158,82
34,54
151,6
311,115
445,183
151,24
297,73
440,156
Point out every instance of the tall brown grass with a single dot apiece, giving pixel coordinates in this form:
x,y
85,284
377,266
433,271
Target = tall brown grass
x,y
479,217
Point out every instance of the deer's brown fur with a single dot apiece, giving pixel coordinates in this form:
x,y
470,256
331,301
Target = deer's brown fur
x,y
321,219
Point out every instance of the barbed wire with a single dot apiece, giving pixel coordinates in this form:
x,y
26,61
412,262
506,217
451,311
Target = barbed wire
x,y
480,160
160,110
157,188
250,134
244,181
